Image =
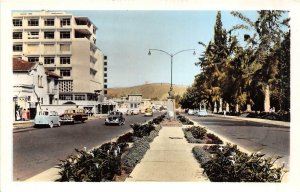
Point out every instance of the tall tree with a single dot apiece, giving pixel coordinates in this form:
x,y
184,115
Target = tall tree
x,y
266,40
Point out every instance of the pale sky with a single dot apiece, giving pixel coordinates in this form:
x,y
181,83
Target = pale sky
x,y
126,36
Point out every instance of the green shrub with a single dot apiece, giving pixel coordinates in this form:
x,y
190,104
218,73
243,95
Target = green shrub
x,y
127,137
190,138
100,164
213,139
184,120
197,132
141,130
228,164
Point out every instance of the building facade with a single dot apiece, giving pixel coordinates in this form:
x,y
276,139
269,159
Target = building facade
x,y
66,45
33,86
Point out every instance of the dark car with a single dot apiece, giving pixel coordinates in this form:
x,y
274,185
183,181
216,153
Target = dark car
x,y
115,118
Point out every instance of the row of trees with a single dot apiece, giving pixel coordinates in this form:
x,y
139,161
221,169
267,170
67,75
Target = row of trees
x,y
253,73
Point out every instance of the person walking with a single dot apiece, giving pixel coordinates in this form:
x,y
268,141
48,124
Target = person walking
x,y
24,115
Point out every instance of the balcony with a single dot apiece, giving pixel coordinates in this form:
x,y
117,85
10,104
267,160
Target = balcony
x,y
82,33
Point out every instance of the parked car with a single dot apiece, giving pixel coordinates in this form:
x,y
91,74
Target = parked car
x,y
148,112
191,112
73,115
202,113
116,118
50,118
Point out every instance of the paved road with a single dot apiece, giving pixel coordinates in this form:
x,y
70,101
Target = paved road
x,y
37,150
253,136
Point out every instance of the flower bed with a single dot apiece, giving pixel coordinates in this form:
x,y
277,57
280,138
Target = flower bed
x,y
184,120
229,164
196,134
111,160
279,116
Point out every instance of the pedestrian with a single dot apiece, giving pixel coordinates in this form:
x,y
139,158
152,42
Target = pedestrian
x,y
24,115
224,113
18,118
28,114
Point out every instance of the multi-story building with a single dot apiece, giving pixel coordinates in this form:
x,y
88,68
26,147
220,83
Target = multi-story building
x,y
66,45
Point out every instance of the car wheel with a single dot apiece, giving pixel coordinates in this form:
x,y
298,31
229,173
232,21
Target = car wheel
x,y
51,124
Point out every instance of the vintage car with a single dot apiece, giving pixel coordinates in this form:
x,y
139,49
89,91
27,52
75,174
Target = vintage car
x,y
50,118
202,113
73,115
148,112
115,118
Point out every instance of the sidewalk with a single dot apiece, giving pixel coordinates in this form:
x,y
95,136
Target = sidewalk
x,y
169,158
29,124
267,121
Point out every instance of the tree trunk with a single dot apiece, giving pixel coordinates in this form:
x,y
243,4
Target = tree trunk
x,y
237,108
215,107
221,106
267,98
248,108
227,107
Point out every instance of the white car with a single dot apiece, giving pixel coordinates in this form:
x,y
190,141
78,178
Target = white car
x,y
50,118
202,113
191,112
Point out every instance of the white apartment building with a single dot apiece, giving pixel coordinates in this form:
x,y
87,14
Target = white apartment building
x,y
66,45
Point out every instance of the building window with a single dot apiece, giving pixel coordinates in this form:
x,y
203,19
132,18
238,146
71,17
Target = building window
x,y
65,86
105,68
65,22
17,35
17,48
65,97
49,34
33,59
49,22
65,60
33,35
40,80
105,63
49,48
17,22
105,74
65,35
105,92
105,80
94,30
65,47
80,97
33,48
33,22
105,86
65,72
48,60
105,57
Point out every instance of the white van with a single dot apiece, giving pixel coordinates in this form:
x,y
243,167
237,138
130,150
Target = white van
x,y
50,118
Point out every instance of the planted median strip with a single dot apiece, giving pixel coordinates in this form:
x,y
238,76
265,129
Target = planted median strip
x,y
111,161
226,163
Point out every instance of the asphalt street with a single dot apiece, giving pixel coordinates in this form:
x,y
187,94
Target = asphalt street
x,y
273,140
39,149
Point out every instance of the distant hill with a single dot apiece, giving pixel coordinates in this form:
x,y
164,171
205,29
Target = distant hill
x,y
149,91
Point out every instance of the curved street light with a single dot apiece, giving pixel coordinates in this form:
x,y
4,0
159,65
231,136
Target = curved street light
x,y
171,92
171,55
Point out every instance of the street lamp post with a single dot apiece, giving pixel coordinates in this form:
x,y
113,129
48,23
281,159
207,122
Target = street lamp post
x,y
171,92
